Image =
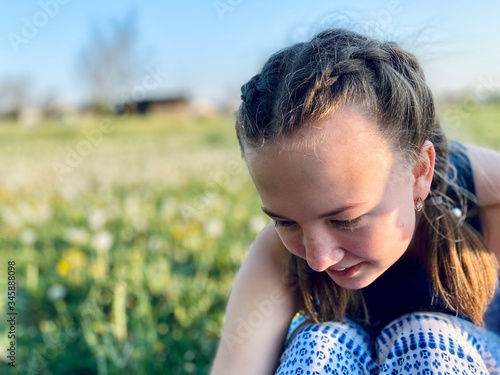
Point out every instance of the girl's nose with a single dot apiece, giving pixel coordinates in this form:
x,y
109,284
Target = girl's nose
x,y
322,251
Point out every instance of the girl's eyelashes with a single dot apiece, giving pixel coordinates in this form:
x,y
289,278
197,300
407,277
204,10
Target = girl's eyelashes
x,y
346,224
282,223
338,224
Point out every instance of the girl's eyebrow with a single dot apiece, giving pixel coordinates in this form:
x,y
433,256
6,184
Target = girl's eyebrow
x,y
335,212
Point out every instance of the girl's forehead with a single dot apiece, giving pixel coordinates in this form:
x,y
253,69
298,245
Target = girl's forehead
x,y
345,147
349,130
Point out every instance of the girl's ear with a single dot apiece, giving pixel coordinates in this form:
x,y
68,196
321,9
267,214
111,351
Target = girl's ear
x,y
423,171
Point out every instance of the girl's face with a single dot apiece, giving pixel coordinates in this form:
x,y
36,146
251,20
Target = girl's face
x,y
340,198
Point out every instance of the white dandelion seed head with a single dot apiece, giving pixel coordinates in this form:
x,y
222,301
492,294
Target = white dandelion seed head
x,y
102,241
214,228
56,292
28,237
257,223
76,235
97,219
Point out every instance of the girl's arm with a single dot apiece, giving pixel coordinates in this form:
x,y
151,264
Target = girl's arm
x,y
258,312
486,171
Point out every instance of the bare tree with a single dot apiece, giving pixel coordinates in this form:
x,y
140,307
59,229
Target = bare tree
x,y
109,65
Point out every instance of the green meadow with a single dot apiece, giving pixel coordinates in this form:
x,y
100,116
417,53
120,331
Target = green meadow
x,y
126,234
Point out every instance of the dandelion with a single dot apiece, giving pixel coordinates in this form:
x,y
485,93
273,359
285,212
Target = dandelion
x,y
28,237
76,236
99,270
178,231
76,258
63,267
214,228
102,241
56,292
158,347
97,219
257,223
47,326
73,259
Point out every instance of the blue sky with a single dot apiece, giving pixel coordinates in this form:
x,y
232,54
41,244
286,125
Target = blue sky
x,y
210,47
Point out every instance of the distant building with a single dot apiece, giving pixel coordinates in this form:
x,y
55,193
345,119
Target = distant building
x,y
172,106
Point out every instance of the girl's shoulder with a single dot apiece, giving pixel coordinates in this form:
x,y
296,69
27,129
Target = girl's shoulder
x,y
485,165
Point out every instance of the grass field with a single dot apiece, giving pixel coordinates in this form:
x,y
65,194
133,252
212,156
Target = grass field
x,y
126,234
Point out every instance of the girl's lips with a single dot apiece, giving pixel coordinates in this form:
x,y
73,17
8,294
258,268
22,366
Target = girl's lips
x,y
344,271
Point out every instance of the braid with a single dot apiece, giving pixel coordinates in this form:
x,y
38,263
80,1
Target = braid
x,y
257,117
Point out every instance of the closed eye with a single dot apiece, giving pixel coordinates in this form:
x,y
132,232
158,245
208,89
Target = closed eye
x,y
283,223
346,224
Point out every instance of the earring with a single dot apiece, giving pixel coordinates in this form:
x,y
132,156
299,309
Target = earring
x,y
419,204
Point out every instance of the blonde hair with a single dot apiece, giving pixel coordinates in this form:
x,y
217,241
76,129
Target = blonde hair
x,y
306,82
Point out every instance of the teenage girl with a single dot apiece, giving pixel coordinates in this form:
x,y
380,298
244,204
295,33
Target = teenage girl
x,y
382,255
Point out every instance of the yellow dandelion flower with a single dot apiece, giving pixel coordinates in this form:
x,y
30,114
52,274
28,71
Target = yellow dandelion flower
x,y
76,258
178,232
181,231
98,270
63,267
158,347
